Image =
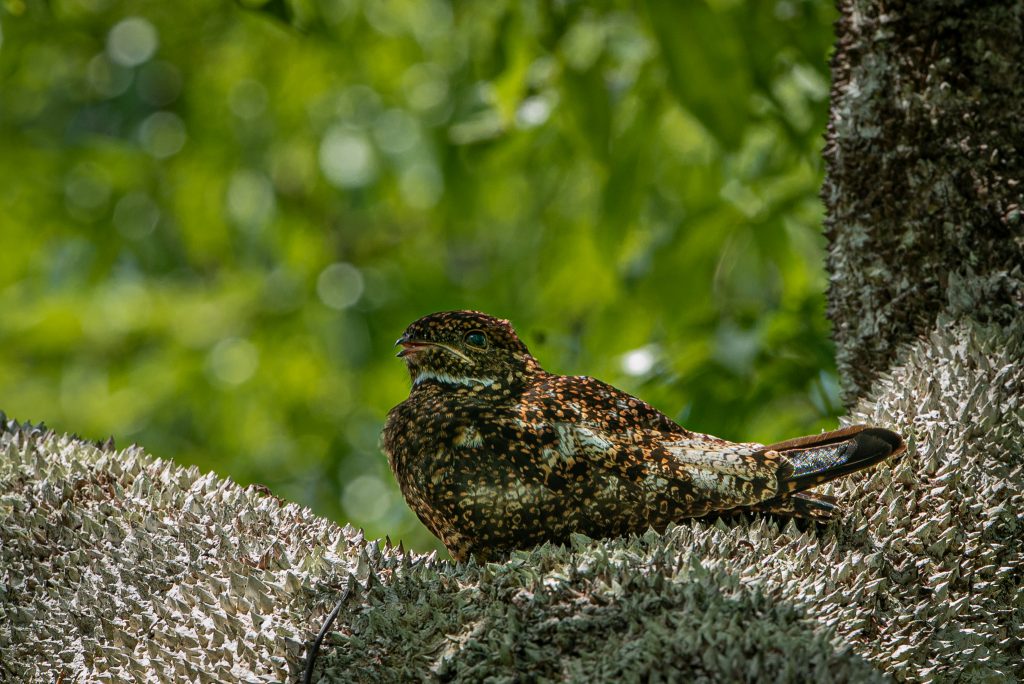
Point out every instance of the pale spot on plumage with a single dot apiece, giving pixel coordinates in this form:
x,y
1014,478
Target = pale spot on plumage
x,y
566,439
550,458
737,462
468,438
591,438
448,379
712,481
573,437
655,480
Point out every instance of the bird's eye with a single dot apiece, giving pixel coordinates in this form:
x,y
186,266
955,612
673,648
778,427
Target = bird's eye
x,y
475,338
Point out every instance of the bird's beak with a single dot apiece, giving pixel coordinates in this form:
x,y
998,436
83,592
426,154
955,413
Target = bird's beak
x,y
410,346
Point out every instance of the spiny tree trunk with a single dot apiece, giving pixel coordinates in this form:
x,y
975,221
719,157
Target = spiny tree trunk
x,y
925,171
117,565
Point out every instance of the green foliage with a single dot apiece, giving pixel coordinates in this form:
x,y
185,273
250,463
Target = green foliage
x,y
216,217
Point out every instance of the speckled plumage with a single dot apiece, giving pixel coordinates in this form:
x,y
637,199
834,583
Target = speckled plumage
x,y
494,453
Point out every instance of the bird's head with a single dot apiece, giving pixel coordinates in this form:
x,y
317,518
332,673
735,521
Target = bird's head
x,y
464,348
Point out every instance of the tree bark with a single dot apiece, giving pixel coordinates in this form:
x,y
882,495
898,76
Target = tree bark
x,y
117,565
925,168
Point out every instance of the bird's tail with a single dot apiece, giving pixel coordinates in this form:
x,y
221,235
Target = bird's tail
x,y
809,461
806,462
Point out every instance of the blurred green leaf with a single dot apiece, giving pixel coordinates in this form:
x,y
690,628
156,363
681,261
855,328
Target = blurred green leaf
x,y
214,229
706,62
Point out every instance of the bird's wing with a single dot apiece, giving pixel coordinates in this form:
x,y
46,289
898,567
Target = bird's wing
x,y
591,433
589,437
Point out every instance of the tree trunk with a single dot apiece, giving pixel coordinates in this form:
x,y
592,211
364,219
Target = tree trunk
x,y
924,178
118,565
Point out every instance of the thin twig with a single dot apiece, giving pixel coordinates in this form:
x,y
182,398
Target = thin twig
x,y
314,649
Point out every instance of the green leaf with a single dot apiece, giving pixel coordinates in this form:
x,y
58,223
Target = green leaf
x,y
706,64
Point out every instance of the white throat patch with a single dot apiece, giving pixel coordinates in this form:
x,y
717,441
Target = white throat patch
x,y
446,379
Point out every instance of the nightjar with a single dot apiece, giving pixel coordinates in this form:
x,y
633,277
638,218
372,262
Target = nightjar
x,y
494,453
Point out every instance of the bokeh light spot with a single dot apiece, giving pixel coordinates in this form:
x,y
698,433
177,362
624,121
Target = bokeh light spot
x,y
132,41
232,361
533,111
250,200
162,134
639,361
248,99
86,191
107,78
340,285
425,86
396,132
347,159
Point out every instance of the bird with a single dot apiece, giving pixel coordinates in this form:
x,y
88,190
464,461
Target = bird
x,y
494,454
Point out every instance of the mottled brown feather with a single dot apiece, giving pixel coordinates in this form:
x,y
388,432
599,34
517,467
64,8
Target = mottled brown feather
x,y
494,453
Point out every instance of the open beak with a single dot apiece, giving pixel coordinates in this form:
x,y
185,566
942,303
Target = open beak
x,y
410,347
